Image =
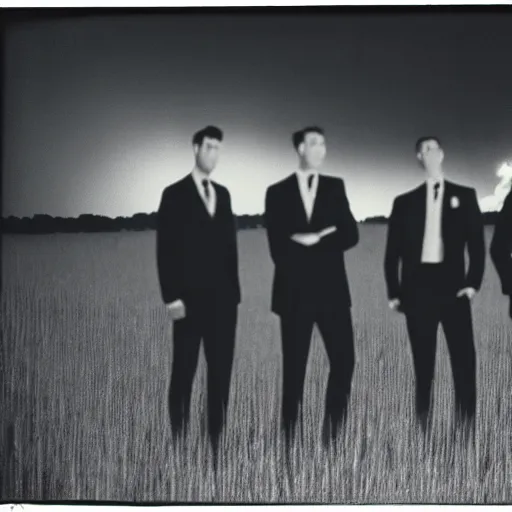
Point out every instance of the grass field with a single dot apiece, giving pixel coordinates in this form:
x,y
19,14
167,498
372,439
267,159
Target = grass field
x,y
85,369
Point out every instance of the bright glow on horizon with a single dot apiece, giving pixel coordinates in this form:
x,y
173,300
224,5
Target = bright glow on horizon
x,y
103,125
495,201
134,175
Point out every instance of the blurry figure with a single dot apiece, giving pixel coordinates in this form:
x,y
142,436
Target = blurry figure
x,y
309,227
197,260
501,244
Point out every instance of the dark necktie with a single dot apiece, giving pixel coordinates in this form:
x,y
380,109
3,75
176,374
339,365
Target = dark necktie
x,y
206,190
436,190
310,182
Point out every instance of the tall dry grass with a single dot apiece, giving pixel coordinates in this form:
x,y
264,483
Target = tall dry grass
x,y
86,359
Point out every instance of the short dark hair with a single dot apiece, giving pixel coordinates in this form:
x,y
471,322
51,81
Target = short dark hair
x,y
210,132
299,136
426,138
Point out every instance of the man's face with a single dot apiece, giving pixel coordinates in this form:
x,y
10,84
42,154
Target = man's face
x,y
207,155
313,150
431,155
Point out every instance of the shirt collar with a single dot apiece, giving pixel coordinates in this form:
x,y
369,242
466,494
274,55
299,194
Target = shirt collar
x,y
304,175
199,177
431,181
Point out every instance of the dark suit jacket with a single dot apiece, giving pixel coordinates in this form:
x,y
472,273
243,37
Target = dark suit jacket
x,y
197,255
462,227
501,246
305,275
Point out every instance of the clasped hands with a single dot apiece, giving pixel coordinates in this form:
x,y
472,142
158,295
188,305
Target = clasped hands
x,y
309,239
469,292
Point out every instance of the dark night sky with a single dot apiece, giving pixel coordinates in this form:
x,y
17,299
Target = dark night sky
x,y
99,112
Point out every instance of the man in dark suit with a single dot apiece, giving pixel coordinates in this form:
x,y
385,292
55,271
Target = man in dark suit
x,y
501,248
429,230
309,226
197,263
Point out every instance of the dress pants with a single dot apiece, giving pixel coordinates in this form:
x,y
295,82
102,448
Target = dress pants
x,y
216,326
436,303
335,325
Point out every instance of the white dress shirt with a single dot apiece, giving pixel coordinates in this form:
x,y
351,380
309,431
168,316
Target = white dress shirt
x,y
308,196
433,249
211,203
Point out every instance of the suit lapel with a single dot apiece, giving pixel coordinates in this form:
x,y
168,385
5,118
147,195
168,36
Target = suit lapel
x,y
217,201
320,193
197,200
297,198
421,215
446,214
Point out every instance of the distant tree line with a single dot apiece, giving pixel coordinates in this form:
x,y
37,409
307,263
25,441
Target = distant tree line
x,y
89,223
489,219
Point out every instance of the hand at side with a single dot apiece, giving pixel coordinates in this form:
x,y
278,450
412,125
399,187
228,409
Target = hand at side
x,y
177,309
